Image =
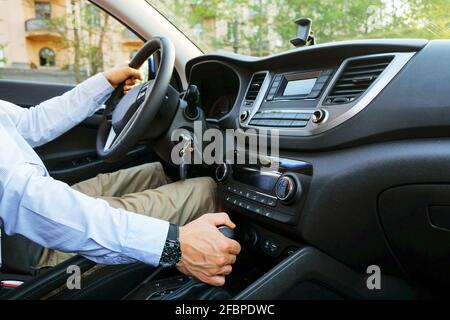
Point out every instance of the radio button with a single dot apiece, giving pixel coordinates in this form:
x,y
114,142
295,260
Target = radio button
x,y
303,116
268,214
290,116
249,207
299,123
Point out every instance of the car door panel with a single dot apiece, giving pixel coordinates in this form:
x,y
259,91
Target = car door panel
x,y
30,93
72,157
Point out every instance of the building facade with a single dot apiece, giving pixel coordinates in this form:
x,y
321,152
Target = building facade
x,y
37,38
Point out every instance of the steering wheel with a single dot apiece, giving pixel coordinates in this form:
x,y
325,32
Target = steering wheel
x,y
127,117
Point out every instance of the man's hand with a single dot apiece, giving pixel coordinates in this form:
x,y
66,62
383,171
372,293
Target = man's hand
x,y
118,75
206,253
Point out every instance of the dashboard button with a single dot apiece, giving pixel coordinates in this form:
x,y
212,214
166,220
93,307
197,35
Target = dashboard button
x,y
285,123
248,206
302,116
290,116
299,123
268,214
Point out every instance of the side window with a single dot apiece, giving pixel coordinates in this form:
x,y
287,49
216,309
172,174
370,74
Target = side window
x,y
63,41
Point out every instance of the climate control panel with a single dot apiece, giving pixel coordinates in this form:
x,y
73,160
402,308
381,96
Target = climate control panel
x,y
277,196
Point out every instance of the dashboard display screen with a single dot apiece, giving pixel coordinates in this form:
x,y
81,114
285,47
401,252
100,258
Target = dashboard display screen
x,y
299,87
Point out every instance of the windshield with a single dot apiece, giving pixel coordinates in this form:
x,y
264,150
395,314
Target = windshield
x,y
263,27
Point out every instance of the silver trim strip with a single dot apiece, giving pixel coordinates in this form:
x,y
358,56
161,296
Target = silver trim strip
x,y
260,97
399,61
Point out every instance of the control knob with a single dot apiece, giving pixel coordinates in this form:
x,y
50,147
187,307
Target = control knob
x,y
222,172
244,115
286,188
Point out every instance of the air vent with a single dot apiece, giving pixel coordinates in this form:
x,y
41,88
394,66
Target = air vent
x,y
357,77
255,87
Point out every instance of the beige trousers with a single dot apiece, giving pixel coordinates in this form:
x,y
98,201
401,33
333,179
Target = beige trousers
x,y
146,190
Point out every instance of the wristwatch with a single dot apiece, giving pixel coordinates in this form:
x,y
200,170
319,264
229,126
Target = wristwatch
x,y
171,254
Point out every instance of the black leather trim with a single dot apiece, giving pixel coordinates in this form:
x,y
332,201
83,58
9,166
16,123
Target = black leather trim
x,y
19,255
48,281
110,282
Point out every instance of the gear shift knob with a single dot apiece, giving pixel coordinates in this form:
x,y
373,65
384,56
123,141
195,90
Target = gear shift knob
x,y
227,232
192,97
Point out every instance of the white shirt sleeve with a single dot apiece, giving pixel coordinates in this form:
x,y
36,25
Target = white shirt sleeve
x,y
48,120
51,213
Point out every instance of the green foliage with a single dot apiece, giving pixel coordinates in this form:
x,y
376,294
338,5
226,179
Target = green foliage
x,y
83,32
261,27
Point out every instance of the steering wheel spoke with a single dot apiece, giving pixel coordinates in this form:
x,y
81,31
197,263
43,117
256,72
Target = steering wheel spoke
x,y
110,140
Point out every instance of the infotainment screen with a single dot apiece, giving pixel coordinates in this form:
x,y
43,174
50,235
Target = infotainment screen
x,y
299,87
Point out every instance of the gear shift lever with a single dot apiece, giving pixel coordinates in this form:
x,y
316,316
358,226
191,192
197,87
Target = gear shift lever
x,y
192,97
227,231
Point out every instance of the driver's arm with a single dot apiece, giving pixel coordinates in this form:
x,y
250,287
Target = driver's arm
x,y
55,216
50,119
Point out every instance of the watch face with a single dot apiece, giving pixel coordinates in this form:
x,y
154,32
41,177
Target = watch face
x,y
171,254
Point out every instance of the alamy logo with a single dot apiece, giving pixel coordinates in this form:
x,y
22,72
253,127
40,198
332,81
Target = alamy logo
x,y
213,146
374,279
74,280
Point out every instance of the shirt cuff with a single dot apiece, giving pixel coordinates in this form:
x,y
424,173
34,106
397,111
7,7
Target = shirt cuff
x,y
97,87
145,239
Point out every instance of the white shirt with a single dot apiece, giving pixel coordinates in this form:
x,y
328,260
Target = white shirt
x,y
48,211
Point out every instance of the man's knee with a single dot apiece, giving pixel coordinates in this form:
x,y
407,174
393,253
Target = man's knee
x,y
205,193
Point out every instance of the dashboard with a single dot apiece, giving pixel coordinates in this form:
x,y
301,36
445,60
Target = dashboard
x,y
306,92
361,124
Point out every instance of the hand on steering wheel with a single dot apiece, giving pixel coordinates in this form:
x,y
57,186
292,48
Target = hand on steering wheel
x,y
128,117
116,76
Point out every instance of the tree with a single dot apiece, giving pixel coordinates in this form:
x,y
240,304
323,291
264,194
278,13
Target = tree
x,y
261,27
83,29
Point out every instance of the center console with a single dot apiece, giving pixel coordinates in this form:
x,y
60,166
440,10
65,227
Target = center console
x,y
271,195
